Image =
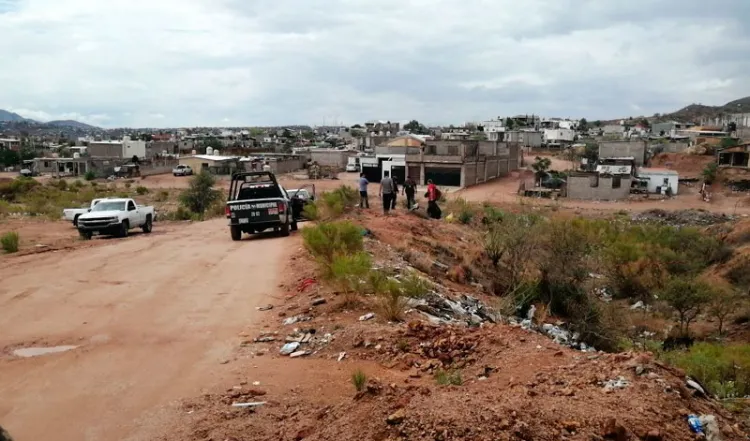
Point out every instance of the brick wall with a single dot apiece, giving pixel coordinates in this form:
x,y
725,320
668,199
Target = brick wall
x,y
582,187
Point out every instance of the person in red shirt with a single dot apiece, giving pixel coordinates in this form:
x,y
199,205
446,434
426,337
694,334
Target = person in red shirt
x,y
433,195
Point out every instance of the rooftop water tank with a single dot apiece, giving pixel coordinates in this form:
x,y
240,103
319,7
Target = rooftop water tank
x,y
209,151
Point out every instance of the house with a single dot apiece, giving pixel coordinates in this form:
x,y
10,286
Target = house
x,y
659,180
613,130
669,128
62,166
214,164
527,138
331,157
619,149
10,144
448,163
559,137
737,156
125,148
609,185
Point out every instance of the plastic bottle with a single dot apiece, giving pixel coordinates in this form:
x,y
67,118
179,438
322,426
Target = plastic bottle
x,y
695,424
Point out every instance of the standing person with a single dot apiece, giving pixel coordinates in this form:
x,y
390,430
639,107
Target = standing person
x,y
395,193
386,191
409,189
364,201
433,195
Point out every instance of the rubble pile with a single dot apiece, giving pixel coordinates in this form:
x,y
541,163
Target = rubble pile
x,y
439,309
680,218
450,346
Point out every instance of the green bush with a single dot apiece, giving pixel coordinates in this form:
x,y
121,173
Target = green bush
x,y
447,378
414,286
492,215
328,240
141,190
162,196
333,204
359,380
181,214
128,185
17,188
391,301
723,369
200,196
90,175
76,185
311,211
349,272
10,242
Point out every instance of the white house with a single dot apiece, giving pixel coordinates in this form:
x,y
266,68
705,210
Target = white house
x,y
494,125
659,180
559,136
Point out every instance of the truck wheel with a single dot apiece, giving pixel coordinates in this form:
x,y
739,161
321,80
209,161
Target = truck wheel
x,y
85,235
294,226
124,228
75,220
148,226
235,232
285,230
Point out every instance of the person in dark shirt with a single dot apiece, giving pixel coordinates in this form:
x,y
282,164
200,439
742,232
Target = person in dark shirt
x,y
364,201
409,189
386,191
395,193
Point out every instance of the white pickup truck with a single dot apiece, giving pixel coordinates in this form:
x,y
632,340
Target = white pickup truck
x,y
72,214
115,217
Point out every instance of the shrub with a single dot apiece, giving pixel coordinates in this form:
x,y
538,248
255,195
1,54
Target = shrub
x,y
492,215
128,185
60,184
359,380
77,184
687,297
725,301
162,196
391,302
710,172
446,378
327,240
334,203
181,214
17,188
723,369
89,176
510,246
141,190
311,211
414,286
201,194
349,272
10,242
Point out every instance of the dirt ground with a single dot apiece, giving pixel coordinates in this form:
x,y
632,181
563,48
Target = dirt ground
x,y
154,318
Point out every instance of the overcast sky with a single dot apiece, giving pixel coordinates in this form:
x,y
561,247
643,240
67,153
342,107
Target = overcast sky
x,y
167,63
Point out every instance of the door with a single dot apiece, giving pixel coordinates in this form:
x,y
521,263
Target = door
x,y
134,215
299,199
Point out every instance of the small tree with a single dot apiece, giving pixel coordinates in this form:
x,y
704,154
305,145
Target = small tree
x,y
724,302
200,196
710,173
687,297
728,142
540,166
583,125
509,123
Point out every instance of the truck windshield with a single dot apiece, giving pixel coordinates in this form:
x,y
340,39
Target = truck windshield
x,y
109,206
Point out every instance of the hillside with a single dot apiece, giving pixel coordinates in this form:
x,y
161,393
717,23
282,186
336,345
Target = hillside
x,y
6,116
695,112
71,123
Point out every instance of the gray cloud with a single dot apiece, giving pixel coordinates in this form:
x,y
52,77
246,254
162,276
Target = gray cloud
x,y
195,62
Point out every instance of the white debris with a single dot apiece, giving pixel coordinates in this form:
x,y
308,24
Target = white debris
x,y
617,383
256,404
638,305
368,316
710,427
289,348
694,385
342,355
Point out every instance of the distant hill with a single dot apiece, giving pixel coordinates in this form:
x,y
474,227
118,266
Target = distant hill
x,y
695,112
6,116
71,123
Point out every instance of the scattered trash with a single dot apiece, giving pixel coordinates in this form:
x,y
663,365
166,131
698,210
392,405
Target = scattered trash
x,y
34,352
265,339
304,284
368,316
264,308
617,383
289,348
441,310
680,218
710,427
342,355
318,301
638,305
531,313
297,318
694,385
256,383
299,354
695,424
256,404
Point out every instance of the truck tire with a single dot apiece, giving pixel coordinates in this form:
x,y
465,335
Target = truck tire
x,y
285,229
149,225
124,229
235,232
85,235
75,220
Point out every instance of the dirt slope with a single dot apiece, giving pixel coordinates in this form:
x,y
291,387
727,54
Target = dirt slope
x,y
153,318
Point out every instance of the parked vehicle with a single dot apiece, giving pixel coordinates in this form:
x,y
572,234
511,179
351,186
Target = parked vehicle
x,y
299,198
72,214
352,164
257,202
115,217
182,170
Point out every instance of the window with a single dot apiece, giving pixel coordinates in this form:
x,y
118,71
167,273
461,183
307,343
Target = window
x,y
131,206
616,181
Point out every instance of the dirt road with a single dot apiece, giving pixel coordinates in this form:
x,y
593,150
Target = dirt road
x,y
154,318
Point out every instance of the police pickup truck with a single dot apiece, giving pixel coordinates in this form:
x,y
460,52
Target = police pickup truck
x,y
257,202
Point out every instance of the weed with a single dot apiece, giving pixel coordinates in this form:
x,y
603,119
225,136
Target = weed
x,y
402,345
359,380
200,196
492,215
414,286
391,302
447,378
128,185
141,190
181,214
723,369
348,272
327,240
89,176
162,196
310,211
10,242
